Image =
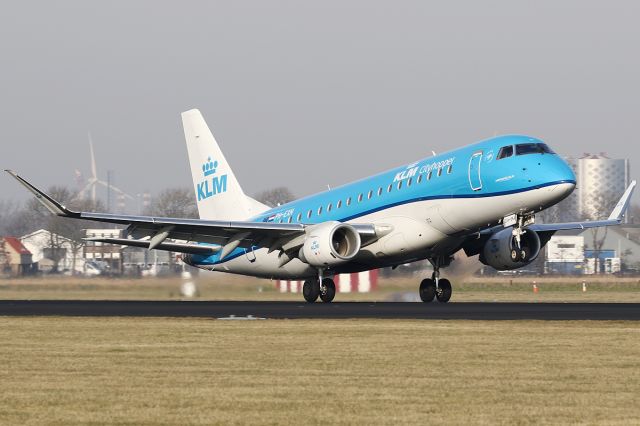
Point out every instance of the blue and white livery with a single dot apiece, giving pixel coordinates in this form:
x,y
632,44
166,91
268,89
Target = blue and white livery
x,y
481,198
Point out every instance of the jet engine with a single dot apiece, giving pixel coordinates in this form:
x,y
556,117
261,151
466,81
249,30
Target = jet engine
x,y
501,252
330,243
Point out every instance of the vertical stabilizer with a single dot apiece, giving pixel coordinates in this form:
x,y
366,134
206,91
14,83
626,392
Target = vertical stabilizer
x,y
218,193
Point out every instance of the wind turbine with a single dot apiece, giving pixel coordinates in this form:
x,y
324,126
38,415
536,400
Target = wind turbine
x,y
93,181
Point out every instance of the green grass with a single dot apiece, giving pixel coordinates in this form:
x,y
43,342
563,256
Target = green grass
x,y
219,286
198,371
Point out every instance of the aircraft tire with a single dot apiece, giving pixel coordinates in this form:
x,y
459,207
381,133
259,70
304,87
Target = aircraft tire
x,y
311,290
444,291
330,292
427,290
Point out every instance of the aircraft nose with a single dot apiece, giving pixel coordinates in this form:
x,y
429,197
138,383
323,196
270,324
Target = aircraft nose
x,y
560,171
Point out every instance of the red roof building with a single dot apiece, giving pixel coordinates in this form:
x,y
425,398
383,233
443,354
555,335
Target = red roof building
x,y
15,258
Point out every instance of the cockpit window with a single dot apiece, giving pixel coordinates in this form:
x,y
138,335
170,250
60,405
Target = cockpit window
x,y
533,148
505,151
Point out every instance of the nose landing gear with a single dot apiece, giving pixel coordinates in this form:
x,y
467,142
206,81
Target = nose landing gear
x,y
519,253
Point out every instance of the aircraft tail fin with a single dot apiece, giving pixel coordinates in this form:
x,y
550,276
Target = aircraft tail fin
x,y
219,195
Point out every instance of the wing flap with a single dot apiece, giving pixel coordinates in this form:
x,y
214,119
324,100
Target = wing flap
x,y
168,246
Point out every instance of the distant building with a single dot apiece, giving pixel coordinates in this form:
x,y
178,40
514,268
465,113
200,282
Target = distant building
x,y
48,249
15,258
565,254
600,182
617,249
108,254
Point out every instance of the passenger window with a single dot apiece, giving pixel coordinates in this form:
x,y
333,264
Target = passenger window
x,y
399,184
429,175
349,201
309,214
299,217
505,151
390,187
409,181
359,197
290,219
419,179
339,204
369,195
319,210
329,208
440,172
449,169
379,191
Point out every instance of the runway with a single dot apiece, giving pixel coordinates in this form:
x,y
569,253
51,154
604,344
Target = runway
x,y
300,310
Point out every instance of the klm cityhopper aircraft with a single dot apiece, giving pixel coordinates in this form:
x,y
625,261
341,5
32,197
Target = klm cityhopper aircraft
x,y
481,198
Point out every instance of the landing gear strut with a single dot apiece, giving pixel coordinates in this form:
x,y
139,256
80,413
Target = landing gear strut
x,y
519,253
312,289
436,287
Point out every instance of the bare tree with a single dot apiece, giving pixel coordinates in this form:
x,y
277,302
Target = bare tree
x,y
634,214
64,233
4,257
275,196
174,202
16,219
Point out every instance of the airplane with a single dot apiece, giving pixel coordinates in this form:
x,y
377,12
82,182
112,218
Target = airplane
x,y
481,198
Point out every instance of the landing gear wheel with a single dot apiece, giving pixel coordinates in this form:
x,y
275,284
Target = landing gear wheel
x,y
428,290
311,290
328,292
514,255
443,294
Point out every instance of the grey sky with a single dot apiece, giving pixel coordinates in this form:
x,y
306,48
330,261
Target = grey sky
x,y
305,94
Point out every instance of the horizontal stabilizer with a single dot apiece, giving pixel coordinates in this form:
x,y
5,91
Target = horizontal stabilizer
x,y
615,218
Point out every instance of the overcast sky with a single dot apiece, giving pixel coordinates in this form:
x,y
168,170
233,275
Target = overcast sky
x,y
305,94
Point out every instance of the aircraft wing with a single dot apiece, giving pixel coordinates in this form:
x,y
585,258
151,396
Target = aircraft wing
x,y
615,218
225,236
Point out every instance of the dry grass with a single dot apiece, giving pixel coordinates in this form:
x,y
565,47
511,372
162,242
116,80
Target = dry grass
x,y
218,286
197,371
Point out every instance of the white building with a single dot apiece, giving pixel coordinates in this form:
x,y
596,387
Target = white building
x,y
565,254
46,247
565,248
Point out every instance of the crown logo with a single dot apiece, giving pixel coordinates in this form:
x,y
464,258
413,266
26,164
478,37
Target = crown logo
x,y
209,167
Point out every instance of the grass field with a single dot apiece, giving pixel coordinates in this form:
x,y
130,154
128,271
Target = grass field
x,y
198,371
216,286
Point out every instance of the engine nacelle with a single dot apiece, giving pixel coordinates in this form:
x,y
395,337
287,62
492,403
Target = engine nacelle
x,y
330,243
499,251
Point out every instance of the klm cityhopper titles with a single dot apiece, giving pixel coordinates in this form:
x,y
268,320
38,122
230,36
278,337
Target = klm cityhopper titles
x,y
481,198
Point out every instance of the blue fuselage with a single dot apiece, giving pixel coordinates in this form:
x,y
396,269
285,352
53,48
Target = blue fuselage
x,y
481,170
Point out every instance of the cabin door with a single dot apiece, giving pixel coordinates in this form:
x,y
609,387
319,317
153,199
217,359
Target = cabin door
x,y
475,180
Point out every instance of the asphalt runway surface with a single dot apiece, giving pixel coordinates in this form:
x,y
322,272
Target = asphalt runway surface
x,y
301,310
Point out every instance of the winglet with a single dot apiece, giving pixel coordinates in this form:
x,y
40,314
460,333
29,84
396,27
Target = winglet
x,y
52,205
620,208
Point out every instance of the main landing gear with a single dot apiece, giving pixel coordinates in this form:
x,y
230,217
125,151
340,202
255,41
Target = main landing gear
x,y
436,287
312,289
